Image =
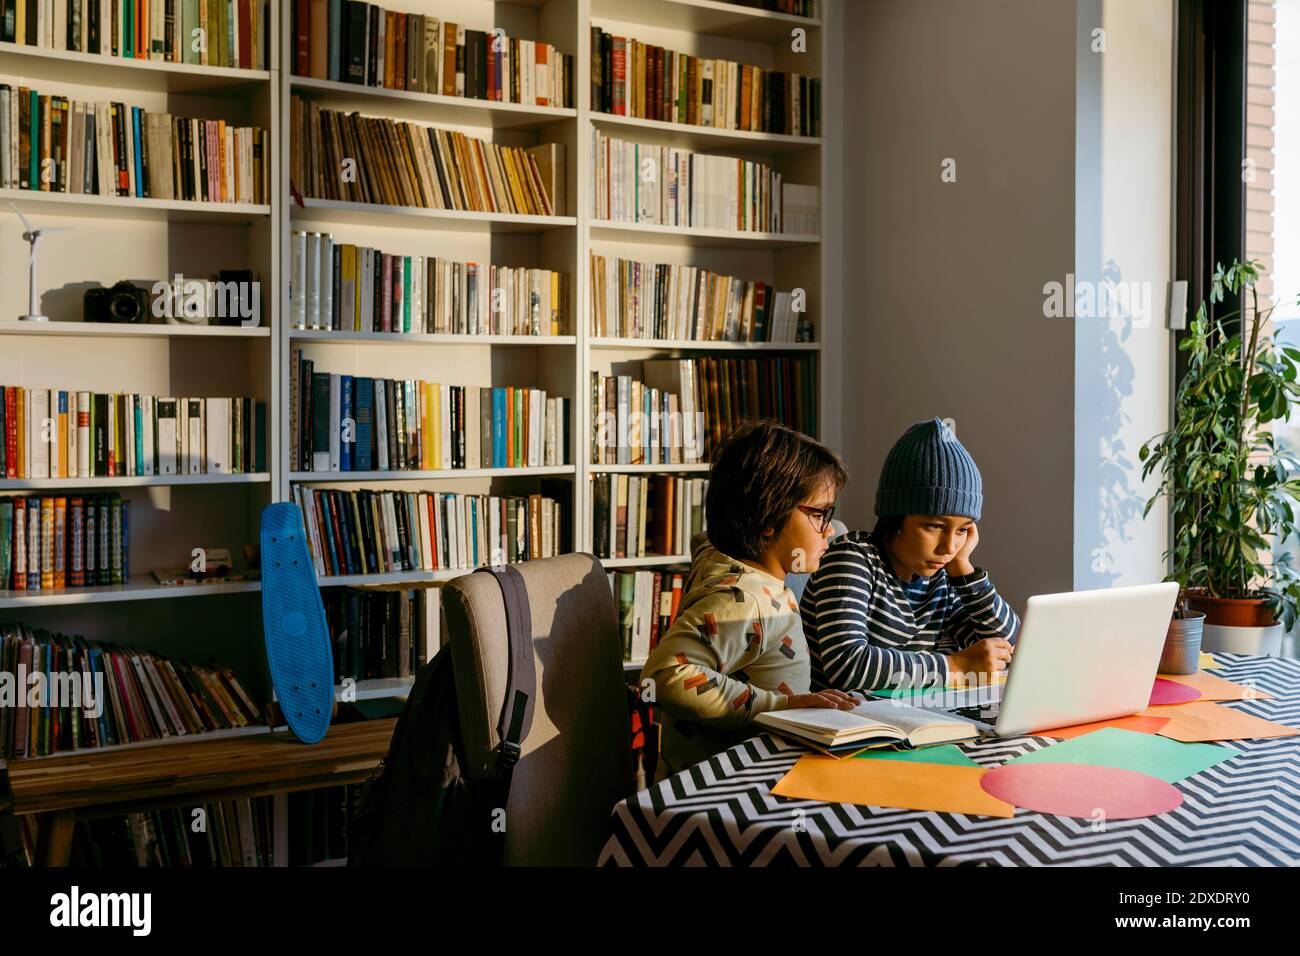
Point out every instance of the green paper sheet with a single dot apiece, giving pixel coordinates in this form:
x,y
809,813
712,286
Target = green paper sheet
x,y
1168,760
944,754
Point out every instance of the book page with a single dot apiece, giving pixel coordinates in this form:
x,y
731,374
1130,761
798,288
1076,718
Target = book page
x,y
890,713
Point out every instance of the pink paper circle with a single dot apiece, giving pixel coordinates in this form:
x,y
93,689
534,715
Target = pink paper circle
x,y
1172,692
1079,790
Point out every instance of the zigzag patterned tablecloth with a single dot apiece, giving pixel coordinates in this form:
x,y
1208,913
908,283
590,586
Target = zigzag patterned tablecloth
x,y
1242,812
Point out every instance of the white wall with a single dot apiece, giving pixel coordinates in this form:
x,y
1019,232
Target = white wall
x,y
1123,235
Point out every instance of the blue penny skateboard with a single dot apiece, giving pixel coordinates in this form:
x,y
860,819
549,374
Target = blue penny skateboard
x,y
293,622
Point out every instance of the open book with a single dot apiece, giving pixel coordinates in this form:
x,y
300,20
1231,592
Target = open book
x,y
871,723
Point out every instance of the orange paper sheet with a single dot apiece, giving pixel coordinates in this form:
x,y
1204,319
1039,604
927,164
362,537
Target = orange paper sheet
x,y
892,783
1216,688
1137,723
1201,720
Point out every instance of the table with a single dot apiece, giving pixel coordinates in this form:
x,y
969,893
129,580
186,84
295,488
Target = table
x,y
1244,811
181,772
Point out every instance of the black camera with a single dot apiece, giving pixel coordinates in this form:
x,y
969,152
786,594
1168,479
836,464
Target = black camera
x,y
124,302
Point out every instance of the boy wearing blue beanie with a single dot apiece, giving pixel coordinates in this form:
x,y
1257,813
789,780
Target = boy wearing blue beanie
x,y
902,605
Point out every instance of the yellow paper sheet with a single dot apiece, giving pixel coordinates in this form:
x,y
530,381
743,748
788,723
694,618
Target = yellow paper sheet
x,y
892,783
1200,720
1213,687
1207,662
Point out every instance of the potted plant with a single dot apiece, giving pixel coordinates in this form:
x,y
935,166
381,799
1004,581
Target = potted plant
x,y
1232,491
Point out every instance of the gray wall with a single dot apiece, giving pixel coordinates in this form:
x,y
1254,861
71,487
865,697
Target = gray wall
x,y
943,302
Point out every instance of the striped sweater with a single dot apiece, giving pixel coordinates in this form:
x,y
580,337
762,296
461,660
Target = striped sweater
x,y
867,629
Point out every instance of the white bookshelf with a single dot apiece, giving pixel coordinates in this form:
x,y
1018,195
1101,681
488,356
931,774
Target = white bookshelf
x,y
114,238
700,345
139,588
111,238
786,260
705,17
563,364
131,74
701,138
119,208
646,561
444,338
434,107
129,481
340,213
114,330
687,469
333,477
143,240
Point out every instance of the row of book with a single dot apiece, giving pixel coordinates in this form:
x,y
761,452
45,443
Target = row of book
x,y
379,532
378,632
680,409
236,832
374,159
126,695
352,423
798,8
648,601
49,543
319,823
642,182
344,287
733,391
357,42
230,33
49,143
652,422
631,78
659,300
55,433
637,516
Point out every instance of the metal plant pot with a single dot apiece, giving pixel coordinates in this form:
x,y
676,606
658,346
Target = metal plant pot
x,y
1182,653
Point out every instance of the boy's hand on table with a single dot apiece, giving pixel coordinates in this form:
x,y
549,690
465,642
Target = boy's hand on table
x,y
988,656
827,699
960,565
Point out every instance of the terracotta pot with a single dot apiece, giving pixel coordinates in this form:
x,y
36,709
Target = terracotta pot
x,y
1232,612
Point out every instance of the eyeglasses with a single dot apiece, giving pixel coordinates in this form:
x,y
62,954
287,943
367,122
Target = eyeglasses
x,y
823,516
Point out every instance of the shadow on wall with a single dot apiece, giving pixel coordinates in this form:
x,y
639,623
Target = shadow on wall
x,y
1106,381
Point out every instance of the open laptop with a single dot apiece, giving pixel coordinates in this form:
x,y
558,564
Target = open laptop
x,y
1080,657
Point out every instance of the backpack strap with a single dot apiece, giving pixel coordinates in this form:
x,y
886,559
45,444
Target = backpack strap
x,y
521,672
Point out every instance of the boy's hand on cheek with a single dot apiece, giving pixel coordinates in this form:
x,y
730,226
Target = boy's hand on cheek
x,y
828,699
961,564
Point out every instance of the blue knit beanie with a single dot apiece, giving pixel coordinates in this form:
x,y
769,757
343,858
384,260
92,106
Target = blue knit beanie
x,y
928,472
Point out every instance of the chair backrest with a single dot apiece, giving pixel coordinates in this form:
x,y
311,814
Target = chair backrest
x,y
797,582
576,760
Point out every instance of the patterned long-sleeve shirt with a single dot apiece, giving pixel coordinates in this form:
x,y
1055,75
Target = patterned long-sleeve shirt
x,y
735,650
867,629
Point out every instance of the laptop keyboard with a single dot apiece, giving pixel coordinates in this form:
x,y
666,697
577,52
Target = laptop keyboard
x,y
985,712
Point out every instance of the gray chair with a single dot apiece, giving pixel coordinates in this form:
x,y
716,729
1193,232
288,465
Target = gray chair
x,y
797,582
576,759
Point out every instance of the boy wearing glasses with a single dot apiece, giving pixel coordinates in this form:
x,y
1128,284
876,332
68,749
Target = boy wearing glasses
x,y
903,606
737,647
